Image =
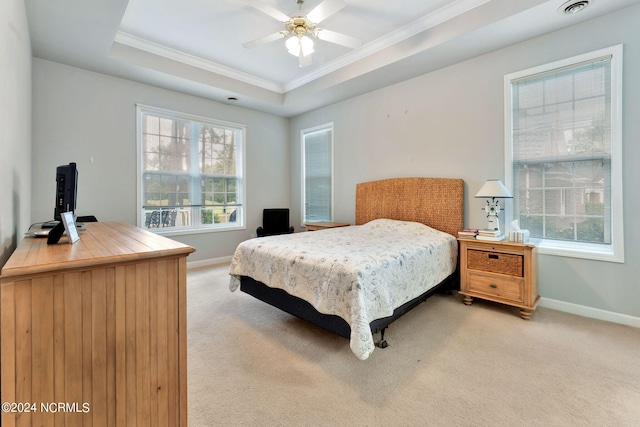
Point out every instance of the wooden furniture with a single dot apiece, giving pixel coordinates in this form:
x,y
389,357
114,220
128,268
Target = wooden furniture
x,y
323,225
99,325
505,272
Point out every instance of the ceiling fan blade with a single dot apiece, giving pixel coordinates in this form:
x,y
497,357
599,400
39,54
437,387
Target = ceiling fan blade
x,y
338,38
265,8
264,40
324,10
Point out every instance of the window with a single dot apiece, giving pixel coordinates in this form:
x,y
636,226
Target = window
x,y
564,154
190,172
317,172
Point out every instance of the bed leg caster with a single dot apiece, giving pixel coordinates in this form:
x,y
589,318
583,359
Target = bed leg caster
x,y
383,343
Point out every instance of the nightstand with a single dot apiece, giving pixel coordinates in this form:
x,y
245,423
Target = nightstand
x,y
313,226
504,272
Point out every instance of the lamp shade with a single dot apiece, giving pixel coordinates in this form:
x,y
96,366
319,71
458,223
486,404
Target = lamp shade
x,y
295,43
494,188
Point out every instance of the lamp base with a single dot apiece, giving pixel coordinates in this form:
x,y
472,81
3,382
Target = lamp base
x,y
493,223
493,209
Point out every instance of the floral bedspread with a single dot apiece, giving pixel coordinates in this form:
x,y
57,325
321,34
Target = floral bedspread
x,y
360,273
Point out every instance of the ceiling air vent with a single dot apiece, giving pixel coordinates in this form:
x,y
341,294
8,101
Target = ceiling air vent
x,y
573,6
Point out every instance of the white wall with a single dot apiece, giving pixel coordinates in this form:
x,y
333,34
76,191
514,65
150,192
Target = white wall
x,y
449,123
15,122
78,115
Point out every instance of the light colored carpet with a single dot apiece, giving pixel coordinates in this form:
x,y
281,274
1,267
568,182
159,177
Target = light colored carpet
x,y
447,364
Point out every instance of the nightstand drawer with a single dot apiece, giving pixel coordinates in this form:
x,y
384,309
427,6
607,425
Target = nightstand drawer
x,y
496,286
495,262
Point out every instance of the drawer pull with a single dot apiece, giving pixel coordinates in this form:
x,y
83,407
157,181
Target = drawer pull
x,y
493,256
493,286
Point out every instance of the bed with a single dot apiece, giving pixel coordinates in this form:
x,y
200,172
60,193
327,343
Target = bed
x,y
354,281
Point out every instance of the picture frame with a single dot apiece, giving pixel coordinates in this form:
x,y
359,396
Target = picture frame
x,y
70,226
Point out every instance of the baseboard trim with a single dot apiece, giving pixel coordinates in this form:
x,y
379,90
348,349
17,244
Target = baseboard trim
x,y
209,262
594,313
580,310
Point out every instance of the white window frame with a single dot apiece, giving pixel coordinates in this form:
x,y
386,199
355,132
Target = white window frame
x,y
196,228
613,252
303,132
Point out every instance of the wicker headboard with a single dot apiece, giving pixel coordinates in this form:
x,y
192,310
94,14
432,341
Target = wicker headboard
x,y
436,202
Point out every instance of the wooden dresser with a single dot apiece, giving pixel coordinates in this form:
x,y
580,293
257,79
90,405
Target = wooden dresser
x,y
94,333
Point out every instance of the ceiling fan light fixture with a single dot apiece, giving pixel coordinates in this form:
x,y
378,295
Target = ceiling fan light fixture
x,y
302,27
295,43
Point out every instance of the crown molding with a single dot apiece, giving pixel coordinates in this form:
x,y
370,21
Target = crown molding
x,y
427,22
195,61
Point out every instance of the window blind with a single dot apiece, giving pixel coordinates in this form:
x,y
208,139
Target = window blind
x,y
564,115
318,175
561,136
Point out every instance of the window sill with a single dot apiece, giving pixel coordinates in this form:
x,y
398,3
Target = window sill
x,y
187,231
592,251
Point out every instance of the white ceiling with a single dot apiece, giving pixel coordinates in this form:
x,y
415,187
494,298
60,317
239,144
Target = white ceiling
x,y
195,46
215,30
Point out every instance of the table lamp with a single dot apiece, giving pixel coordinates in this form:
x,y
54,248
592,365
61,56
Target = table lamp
x,y
493,189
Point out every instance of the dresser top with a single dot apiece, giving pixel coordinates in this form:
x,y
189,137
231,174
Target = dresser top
x,y
101,243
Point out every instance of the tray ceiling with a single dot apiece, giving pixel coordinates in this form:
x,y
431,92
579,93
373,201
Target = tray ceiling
x,y
195,46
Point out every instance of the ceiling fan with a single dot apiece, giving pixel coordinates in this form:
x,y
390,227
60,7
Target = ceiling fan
x,y
300,27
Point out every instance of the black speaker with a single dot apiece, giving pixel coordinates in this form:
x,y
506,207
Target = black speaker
x,y
66,189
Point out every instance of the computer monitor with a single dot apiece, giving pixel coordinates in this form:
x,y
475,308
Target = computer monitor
x,y
66,189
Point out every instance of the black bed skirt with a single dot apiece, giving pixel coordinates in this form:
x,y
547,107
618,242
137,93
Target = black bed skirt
x,y
302,309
